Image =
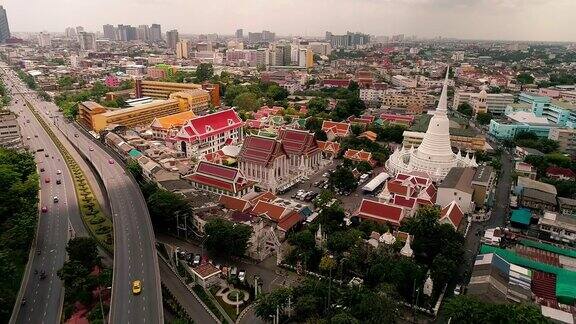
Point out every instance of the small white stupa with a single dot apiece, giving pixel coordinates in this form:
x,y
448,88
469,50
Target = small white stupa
x,y
407,249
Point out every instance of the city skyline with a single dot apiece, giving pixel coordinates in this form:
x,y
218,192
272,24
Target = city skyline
x,y
485,19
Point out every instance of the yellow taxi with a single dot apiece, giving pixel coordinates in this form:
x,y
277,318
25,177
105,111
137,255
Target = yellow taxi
x,y
136,287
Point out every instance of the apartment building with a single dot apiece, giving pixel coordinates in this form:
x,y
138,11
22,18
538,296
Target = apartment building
x,y
405,100
403,81
163,90
208,133
10,136
196,100
495,102
463,142
86,112
566,138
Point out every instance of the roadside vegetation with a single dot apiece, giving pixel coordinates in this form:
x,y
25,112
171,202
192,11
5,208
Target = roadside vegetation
x,y
18,219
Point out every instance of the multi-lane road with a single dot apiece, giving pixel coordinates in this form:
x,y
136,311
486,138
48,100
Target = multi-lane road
x,y
44,293
134,241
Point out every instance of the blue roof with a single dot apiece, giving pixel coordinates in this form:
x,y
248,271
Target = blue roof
x,y
135,153
521,216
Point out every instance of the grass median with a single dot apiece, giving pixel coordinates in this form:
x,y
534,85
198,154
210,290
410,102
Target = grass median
x,y
99,226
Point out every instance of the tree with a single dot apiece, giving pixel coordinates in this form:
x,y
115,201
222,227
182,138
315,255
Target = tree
x,y
442,270
356,129
363,167
136,170
317,105
468,309
343,179
320,135
483,118
341,241
226,238
313,124
277,93
247,101
353,86
204,72
327,263
266,304
465,109
164,206
524,78
83,250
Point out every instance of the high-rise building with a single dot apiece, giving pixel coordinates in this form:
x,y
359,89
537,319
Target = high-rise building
x,y
79,29
4,27
347,40
172,38
131,33
109,32
155,33
87,41
239,33
254,37
182,49
70,32
268,36
143,33
122,33
44,39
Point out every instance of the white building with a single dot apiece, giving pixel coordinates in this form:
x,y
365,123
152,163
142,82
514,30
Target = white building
x,y
495,102
10,136
402,81
44,39
87,41
434,156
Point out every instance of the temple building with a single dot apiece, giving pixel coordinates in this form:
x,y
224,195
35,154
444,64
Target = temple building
x,y
434,156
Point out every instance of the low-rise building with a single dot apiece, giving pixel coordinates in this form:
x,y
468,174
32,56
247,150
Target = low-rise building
x,y
381,212
495,102
457,186
566,138
452,215
406,100
483,184
522,152
335,130
559,227
403,81
302,150
10,136
265,161
560,173
220,179
523,169
208,133
536,195
168,126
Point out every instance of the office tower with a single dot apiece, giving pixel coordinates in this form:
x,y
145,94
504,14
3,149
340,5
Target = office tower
x,y
131,33
4,27
155,33
87,41
254,37
182,49
239,33
268,36
44,39
109,32
328,36
143,33
122,33
70,32
172,38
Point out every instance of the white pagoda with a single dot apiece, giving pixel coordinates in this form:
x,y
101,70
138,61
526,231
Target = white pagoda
x,y
434,156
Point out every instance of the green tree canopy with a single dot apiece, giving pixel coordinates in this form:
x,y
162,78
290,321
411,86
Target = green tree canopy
x,y
226,238
83,250
465,109
247,101
483,118
204,71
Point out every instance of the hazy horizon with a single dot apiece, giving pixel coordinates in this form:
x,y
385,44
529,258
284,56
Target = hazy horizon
x,y
521,20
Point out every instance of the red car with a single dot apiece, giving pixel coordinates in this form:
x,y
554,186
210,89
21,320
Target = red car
x,y
111,161
47,180
44,209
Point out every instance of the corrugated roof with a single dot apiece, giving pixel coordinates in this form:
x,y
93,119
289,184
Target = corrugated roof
x,y
460,179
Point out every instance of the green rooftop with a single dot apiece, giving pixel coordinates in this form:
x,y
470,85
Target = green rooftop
x,y
521,216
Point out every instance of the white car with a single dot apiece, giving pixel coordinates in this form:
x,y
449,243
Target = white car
x,y
58,171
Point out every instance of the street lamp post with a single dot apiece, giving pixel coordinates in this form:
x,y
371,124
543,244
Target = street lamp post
x,y
202,245
102,307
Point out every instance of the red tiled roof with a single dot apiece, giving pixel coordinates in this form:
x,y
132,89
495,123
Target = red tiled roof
x,y
381,212
253,123
272,211
369,135
339,129
264,196
234,203
398,188
209,125
260,150
298,142
290,221
403,201
328,146
356,155
336,82
452,212
558,171
219,176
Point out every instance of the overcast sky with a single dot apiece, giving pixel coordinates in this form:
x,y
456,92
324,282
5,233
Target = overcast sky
x,y
548,20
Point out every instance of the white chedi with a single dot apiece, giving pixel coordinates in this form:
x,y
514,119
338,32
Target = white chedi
x,y
434,156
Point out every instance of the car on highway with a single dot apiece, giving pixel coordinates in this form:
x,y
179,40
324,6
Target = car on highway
x,y
110,161
58,181
58,171
46,155
55,199
136,287
44,209
27,121
36,135
91,149
28,137
47,180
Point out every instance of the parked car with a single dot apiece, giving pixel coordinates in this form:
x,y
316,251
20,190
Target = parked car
x,y
233,272
242,275
457,290
197,259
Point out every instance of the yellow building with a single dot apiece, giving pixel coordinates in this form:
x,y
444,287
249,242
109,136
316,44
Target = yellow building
x,y
86,112
401,100
168,126
309,58
161,90
141,115
475,143
195,100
